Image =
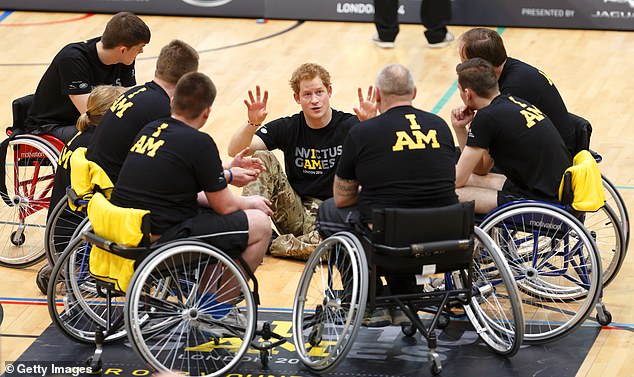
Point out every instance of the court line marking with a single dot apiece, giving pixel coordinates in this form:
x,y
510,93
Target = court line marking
x,y
5,14
288,29
82,17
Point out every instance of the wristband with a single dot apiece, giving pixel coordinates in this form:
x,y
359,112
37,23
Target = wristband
x,y
252,124
230,176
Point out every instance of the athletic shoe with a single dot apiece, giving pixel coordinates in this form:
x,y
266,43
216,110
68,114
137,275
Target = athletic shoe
x,y
379,317
383,44
398,317
445,42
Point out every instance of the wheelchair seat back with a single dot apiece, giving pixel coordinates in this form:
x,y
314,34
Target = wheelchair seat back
x,y
20,108
583,132
439,238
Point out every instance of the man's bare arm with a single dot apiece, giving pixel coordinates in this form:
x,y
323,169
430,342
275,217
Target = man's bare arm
x,y
345,191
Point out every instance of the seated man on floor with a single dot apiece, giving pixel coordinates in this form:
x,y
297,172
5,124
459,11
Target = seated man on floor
x,y
174,171
403,158
524,143
311,141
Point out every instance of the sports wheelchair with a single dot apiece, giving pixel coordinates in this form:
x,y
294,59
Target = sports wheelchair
x,y
28,170
184,305
339,278
552,252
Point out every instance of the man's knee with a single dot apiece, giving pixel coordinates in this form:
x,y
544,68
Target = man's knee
x,y
259,223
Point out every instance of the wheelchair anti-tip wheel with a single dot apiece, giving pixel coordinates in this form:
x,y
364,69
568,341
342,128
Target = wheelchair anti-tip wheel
x,y
189,309
330,302
555,263
25,188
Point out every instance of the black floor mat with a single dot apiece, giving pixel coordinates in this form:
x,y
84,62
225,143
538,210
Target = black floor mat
x,y
382,352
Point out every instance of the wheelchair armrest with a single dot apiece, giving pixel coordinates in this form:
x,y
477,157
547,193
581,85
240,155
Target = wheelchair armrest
x,y
94,239
136,253
75,199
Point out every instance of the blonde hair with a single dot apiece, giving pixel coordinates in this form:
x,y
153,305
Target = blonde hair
x,y
100,99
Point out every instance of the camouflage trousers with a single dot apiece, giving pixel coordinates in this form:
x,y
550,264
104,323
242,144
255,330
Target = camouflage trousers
x,y
293,216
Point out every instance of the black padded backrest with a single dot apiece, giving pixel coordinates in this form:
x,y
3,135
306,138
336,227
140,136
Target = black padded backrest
x,y
583,131
20,108
401,227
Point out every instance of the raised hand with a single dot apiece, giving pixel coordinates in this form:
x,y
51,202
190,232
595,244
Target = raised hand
x,y
367,107
256,106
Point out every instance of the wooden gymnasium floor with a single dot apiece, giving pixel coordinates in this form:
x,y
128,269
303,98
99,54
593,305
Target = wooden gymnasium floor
x,y
590,69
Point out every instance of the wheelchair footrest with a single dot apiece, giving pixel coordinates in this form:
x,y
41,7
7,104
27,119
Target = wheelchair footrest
x,y
263,330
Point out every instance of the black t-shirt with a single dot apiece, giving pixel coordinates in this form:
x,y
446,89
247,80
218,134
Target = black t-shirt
x,y
522,80
403,158
169,163
76,69
310,155
119,126
62,174
524,144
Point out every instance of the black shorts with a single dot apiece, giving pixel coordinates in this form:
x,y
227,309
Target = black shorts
x,y
510,193
229,233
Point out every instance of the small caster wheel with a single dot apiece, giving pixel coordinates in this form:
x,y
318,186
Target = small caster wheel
x,y
315,336
409,330
264,358
604,317
19,241
434,363
95,365
443,321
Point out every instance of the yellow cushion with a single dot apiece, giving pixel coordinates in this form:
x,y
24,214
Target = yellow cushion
x,y
86,176
587,186
121,226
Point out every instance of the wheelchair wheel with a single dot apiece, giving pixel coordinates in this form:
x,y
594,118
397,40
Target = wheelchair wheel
x,y
189,309
75,304
25,187
614,200
330,302
495,309
555,264
61,227
606,232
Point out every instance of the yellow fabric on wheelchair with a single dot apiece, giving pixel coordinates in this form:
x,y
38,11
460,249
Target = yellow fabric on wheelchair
x,y
121,226
85,176
587,186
